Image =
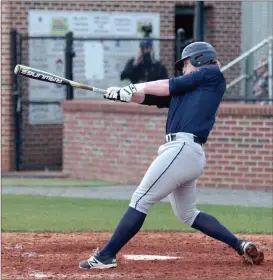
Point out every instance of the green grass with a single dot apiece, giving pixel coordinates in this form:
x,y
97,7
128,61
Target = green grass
x,y
40,213
52,182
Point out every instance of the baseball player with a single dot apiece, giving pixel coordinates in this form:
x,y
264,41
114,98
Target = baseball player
x,y
193,100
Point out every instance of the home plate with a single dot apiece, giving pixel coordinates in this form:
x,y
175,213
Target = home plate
x,y
148,257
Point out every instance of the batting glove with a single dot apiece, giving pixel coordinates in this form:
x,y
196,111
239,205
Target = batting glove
x,y
124,94
112,93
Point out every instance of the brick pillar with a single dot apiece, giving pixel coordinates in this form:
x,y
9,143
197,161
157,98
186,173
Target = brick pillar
x,y
6,91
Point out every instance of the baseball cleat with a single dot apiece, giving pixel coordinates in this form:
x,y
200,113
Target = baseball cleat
x,y
250,252
98,262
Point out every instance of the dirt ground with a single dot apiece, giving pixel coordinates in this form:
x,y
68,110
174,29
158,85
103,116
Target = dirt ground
x,y
56,256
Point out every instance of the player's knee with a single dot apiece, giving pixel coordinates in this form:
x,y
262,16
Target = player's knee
x,y
142,204
188,217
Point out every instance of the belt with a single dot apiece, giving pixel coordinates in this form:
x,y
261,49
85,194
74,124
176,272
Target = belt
x,y
172,137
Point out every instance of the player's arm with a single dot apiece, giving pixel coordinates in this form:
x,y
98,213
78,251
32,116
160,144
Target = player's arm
x,y
152,100
166,87
136,93
173,86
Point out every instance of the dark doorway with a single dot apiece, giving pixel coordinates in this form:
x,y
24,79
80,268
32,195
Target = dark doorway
x,y
184,18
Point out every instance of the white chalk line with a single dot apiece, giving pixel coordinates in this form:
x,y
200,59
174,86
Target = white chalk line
x,y
149,257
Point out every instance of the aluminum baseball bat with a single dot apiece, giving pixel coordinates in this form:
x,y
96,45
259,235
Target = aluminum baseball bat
x,y
40,75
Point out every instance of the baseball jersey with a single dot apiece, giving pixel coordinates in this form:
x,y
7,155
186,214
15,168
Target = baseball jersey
x,y
193,101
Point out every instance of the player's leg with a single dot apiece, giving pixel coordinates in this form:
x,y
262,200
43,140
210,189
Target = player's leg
x,y
159,180
174,165
183,200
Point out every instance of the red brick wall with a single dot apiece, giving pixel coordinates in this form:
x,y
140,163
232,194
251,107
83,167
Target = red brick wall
x,y
6,90
240,149
224,32
224,29
117,142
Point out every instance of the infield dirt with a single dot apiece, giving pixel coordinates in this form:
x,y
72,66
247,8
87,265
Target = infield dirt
x,y
56,256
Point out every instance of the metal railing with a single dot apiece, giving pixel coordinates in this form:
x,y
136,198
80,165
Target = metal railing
x,y
247,70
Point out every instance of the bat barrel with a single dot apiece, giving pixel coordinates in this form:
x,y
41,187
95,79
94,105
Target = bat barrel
x,y
40,75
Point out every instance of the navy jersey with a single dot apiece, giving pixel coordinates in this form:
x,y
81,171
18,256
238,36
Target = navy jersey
x,y
193,101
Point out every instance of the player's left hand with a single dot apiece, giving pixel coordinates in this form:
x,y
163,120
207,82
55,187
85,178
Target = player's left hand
x,y
112,93
124,94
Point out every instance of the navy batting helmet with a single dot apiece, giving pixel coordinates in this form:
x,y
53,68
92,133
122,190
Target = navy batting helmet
x,y
199,53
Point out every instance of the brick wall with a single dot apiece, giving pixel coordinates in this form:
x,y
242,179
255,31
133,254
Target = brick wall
x,y
224,19
240,149
6,89
117,142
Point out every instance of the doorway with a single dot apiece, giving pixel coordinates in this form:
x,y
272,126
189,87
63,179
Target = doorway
x,y
184,18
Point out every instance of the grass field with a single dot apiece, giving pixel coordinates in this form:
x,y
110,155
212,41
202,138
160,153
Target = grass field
x,y
39,213
52,182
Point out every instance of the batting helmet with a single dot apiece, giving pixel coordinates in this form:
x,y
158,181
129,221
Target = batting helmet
x,y
199,53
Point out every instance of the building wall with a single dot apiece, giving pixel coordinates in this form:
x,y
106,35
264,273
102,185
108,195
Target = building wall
x,y
7,153
117,142
223,23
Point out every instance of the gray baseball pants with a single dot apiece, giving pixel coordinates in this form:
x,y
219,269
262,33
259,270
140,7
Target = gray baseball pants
x,y
173,173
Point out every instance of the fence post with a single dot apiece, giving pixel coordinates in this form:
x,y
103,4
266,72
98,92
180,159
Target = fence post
x,y
199,21
180,37
69,54
15,101
270,69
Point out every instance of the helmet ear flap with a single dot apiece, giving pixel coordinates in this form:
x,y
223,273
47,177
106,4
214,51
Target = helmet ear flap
x,y
196,60
202,59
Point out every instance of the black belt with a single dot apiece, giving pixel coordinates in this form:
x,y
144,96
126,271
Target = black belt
x,y
196,139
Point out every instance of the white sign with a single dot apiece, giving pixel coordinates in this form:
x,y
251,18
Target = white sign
x,y
94,60
45,114
97,62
